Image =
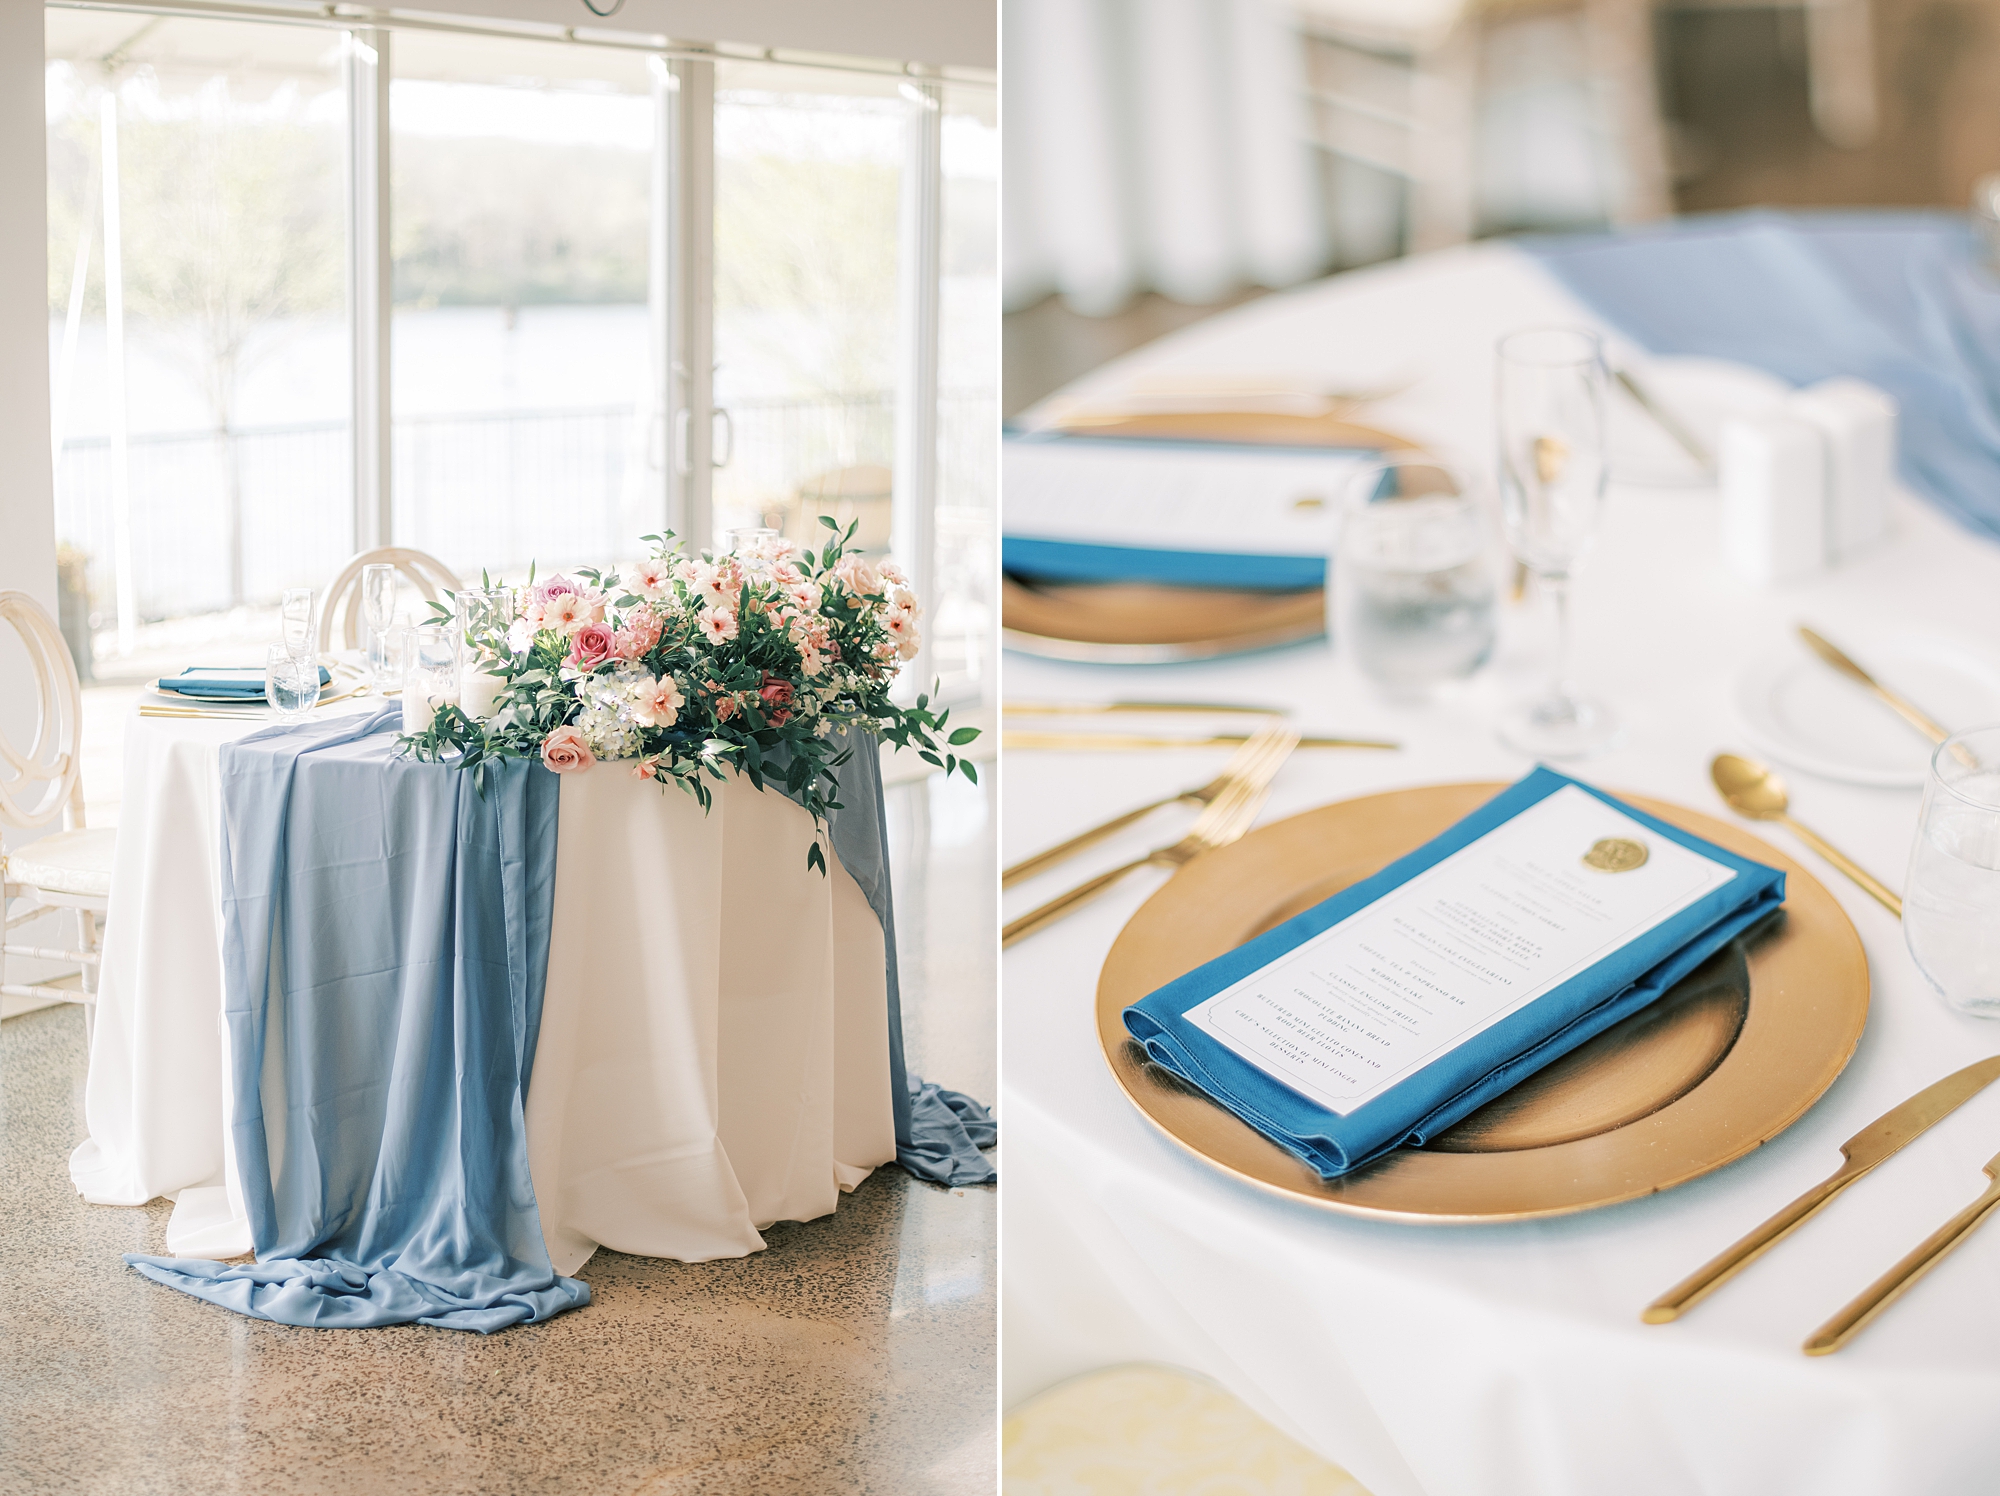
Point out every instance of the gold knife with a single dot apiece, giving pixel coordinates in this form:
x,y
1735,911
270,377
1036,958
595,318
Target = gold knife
x,y
1886,1289
1903,707
1124,741
1862,1152
1666,421
1093,708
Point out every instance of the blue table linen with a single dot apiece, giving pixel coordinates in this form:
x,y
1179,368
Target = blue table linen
x,y
938,1133
1432,1099
1897,298
386,935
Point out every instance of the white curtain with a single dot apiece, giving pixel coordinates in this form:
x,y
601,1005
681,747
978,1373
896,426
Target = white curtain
x,y
1154,145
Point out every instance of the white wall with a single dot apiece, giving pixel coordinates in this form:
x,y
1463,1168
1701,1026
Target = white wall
x,y
27,502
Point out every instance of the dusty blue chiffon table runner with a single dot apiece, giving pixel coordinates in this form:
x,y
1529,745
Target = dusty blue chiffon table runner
x,y
1419,1107
401,921
1897,298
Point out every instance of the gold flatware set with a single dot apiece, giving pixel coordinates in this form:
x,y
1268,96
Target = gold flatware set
x,y
1226,816
1247,763
1869,1147
1121,742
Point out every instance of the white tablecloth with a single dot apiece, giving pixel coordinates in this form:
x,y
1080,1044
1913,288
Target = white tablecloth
x,y
1510,1360
714,1044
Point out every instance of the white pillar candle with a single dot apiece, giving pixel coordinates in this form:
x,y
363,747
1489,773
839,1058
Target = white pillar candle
x,y
417,711
479,691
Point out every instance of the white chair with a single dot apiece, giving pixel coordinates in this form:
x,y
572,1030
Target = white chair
x,y
851,495
66,869
1396,84
430,576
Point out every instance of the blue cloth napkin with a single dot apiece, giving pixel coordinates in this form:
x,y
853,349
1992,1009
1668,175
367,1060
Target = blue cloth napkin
x,y
1897,298
1431,1099
385,947
1079,561
213,680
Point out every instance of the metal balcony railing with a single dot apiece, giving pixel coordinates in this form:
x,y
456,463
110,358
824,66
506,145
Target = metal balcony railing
x,y
224,519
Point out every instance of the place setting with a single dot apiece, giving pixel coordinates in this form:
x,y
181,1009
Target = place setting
x,y
1486,1002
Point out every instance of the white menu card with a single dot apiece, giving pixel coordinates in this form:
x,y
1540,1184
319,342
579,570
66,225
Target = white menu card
x,y
1272,501
1439,959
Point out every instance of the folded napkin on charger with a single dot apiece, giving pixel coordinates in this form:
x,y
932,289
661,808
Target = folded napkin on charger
x,y
1400,1005
221,680
1182,513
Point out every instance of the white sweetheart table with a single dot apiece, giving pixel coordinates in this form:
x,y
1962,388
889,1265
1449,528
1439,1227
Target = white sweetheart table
x,y
1509,1360
714,1047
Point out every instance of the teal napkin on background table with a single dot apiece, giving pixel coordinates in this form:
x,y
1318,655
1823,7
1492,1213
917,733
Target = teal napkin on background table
x,y
224,680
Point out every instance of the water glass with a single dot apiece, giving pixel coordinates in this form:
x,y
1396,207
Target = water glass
x,y
1951,898
430,674
746,538
295,621
1413,595
291,682
1551,415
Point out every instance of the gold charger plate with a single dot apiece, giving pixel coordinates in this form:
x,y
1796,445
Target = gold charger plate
x,y
1135,623
1727,1060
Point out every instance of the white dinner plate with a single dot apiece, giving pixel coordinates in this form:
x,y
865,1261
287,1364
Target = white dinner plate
x,y
1800,711
1700,393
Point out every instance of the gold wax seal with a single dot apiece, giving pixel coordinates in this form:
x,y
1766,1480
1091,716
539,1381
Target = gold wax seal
x,y
1616,854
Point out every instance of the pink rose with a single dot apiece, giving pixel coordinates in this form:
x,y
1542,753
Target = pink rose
x,y
591,645
776,694
564,750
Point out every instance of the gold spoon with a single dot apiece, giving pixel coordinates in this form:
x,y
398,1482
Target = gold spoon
x,y
1753,790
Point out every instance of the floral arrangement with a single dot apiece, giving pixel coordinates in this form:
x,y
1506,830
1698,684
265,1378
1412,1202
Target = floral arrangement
x,y
688,667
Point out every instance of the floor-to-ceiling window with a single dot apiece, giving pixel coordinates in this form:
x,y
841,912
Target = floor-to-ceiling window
x,y
213,448
199,365
521,221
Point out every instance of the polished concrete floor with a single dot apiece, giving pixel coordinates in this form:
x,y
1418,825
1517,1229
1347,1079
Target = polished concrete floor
x,y
856,1354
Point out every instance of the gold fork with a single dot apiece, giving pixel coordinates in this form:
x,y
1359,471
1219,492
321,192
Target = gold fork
x,y
1227,817
1246,761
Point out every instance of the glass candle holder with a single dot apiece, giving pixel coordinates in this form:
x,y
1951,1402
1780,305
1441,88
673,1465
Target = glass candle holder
x,y
430,674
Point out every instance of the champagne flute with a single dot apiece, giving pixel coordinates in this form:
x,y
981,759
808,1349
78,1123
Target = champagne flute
x,y
1551,393
378,610
295,621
